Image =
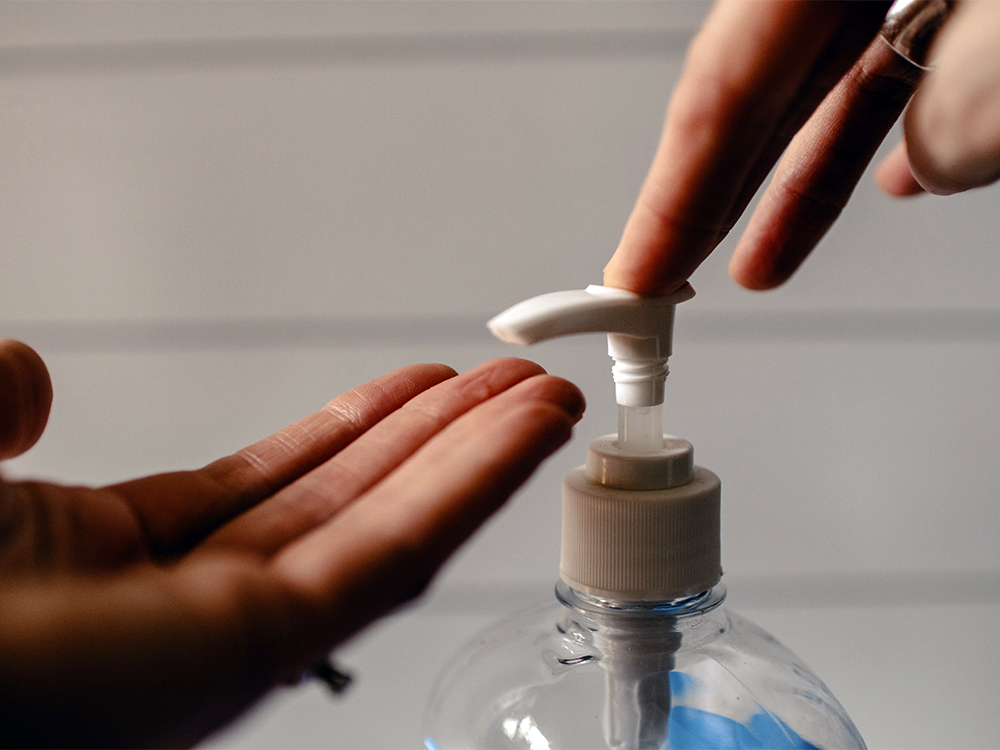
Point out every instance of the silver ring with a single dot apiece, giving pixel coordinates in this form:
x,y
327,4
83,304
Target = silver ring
x,y
911,25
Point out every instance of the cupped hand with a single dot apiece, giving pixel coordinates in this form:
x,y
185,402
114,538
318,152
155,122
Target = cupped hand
x,y
152,612
812,81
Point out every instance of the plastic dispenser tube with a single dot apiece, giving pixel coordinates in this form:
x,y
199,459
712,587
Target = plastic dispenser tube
x,y
640,537
640,428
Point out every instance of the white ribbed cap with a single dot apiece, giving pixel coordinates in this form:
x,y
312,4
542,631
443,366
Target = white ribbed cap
x,y
641,527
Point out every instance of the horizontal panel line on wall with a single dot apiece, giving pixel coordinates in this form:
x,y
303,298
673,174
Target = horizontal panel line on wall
x,y
981,326
886,589
154,335
924,325
340,50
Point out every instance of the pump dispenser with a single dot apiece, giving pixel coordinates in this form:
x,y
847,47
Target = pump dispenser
x,y
639,651
640,521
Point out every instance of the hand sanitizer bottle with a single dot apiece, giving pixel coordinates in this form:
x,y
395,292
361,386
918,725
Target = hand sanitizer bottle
x,y
638,650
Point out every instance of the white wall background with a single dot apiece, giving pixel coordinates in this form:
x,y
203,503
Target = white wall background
x,y
216,216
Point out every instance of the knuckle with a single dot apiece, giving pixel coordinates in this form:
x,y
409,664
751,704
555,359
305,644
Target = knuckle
x,y
883,77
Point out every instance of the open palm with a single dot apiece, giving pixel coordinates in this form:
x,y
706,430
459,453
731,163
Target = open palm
x,y
153,611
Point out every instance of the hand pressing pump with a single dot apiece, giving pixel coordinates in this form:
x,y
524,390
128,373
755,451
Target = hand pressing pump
x,y
638,651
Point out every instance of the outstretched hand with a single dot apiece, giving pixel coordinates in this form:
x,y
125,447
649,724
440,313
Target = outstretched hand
x,y
812,81
153,611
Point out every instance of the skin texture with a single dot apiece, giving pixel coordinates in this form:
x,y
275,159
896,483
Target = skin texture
x,y
811,81
151,612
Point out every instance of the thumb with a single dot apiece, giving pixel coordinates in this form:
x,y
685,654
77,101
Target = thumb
x,y
25,397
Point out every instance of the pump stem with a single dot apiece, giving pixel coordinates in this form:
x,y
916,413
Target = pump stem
x,y
640,428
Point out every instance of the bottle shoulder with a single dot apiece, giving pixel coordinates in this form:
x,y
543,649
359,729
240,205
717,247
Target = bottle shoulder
x,y
710,670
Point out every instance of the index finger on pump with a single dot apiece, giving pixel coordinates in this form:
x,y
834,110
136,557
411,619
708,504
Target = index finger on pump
x,y
745,77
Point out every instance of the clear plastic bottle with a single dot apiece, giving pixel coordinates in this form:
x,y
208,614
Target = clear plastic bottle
x,y
638,651
584,672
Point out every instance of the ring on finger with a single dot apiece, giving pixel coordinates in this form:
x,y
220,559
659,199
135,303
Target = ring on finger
x,y
911,26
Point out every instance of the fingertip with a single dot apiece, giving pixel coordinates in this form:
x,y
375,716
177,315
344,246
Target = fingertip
x,y
509,370
646,279
894,177
25,397
439,369
940,171
616,277
427,374
527,433
561,393
577,404
773,247
553,427
401,384
746,271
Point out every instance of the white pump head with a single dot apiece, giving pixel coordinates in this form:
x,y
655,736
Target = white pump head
x,y
640,521
640,331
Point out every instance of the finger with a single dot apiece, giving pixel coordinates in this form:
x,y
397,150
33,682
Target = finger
x,y
752,74
25,397
178,510
823,163
46,529
894,175
326,490
953,124
861,22
383,549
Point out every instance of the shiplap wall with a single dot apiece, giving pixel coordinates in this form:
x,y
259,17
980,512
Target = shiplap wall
x,y
218,215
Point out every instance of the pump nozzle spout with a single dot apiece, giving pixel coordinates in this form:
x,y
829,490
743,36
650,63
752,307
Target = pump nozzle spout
x,y
640,332
596,309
